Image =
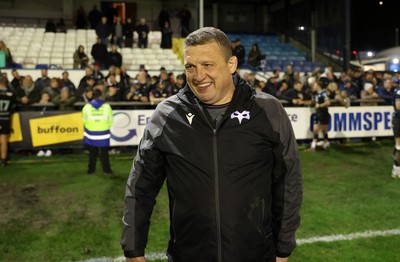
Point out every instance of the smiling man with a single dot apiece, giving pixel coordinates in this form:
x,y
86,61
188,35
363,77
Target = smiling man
x,y
229,156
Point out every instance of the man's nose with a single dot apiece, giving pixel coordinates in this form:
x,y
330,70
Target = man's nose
x,y
199,75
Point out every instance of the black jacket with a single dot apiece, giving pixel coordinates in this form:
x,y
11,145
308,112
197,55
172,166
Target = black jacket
x,y
235,189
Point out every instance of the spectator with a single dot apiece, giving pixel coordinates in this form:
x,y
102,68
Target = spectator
x,y
160,93
246,76
117,32
282,89
8,57
89,82
65,100
185,16
165,79
294,95
369,77
87,95
153,84
386,92
82,82
263,85
129,28
112,94
112,81
17,80
369,93
277,74
137,93
112,70
289,76
103,31
54,88
253,81
80,58
114,57
166,36
171,78
50,26
145,81
334,95
28,93
97,132
97,74
99,53
238,51
61,26
358,80
65,81
179,84
102,86
45,98
163,18
254,56
94,17
143,31
80,18
45,101
125,78
44,81
349,90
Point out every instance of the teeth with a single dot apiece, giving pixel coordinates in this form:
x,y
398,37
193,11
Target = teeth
x,y
204,85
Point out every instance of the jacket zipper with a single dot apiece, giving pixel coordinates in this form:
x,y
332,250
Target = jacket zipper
x,y
217,206
216,181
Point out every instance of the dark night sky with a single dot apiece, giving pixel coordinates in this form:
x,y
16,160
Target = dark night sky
x,y
373,25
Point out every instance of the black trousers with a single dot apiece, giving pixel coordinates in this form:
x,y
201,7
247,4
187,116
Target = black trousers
x,y
93,154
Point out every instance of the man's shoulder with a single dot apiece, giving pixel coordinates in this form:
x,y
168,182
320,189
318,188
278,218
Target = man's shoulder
x,y
268,102
265,97
168,105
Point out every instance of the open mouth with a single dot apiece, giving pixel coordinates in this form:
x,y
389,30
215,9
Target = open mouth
x,y
203,85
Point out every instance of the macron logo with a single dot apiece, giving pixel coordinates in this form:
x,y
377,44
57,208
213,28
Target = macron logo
x,y
241,116
190,118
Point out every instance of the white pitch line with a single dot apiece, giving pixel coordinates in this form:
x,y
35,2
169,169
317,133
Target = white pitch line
x,y
332,238
351,236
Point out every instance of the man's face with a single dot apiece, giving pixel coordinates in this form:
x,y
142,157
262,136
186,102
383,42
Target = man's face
x,y
27,82
44,72
298,86
208,74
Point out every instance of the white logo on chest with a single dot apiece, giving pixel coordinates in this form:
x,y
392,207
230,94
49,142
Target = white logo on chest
x,y
189,117
241,115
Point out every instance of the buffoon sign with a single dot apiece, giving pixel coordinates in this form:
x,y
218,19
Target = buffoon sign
x,y
56,129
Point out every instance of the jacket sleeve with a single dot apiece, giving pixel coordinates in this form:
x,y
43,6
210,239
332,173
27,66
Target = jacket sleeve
x,y
286,185
84,114
145,180
110,117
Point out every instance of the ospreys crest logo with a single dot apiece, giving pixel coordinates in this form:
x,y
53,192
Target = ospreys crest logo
x,y
241,115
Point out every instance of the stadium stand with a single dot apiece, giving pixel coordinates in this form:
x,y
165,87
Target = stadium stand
x,y
277,55
33,48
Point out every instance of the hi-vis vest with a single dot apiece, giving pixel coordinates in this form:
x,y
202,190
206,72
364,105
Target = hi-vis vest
x,y
97,125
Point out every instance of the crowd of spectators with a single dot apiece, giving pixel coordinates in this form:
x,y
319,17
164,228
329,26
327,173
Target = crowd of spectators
x,y
373,88
116,86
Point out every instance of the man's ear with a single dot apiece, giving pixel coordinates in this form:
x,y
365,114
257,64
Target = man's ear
x,y
232,63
